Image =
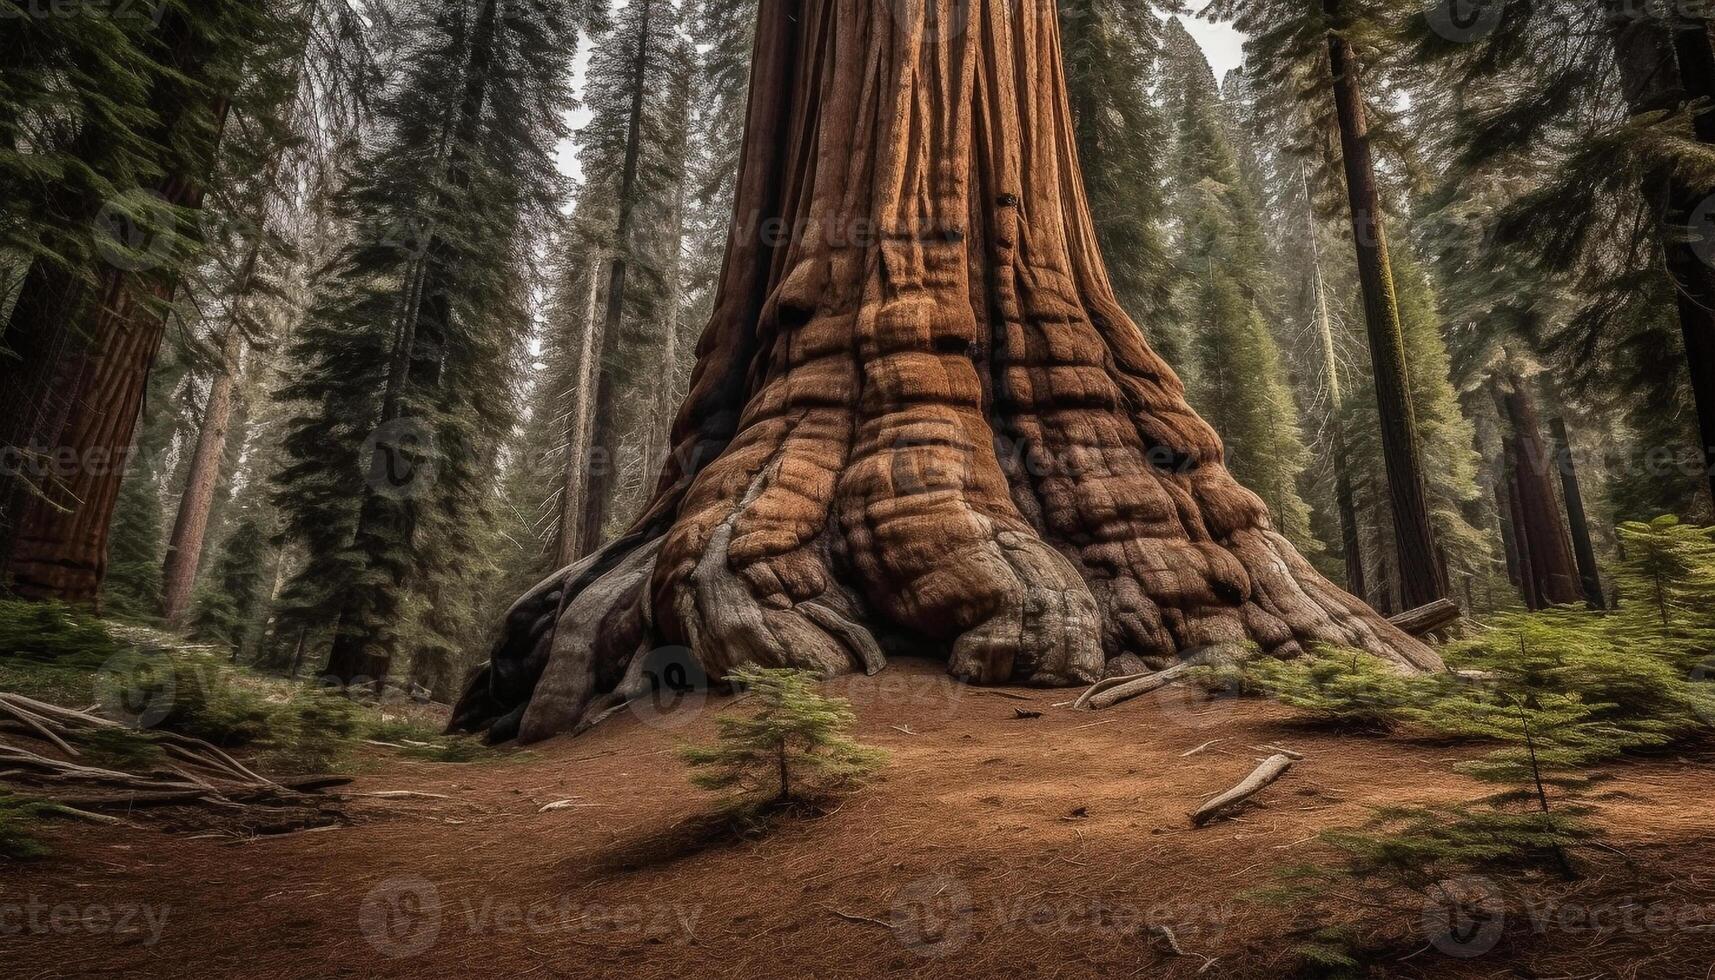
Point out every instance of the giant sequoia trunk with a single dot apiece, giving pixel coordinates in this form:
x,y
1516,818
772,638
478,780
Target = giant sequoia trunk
x,y
87,345
919,421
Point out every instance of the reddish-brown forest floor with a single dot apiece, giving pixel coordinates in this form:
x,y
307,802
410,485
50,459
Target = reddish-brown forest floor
x,y
994,846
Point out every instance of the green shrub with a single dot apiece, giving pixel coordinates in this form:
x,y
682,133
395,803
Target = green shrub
x,y
1667,591
1629,682
796,747
18,817
217,703
311,733
52,632
49,651
1343,688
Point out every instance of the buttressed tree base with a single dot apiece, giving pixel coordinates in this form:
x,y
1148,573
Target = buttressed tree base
x,y
919,422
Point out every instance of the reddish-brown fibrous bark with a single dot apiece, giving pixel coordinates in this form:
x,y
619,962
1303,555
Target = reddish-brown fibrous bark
x,y
89,344
920,421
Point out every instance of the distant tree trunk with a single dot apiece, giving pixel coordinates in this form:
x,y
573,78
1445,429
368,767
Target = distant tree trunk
x,y
57,548
574,488
919,414
1504,518
1421,580
667,398
1345,499
190,527
1583,547
1530,587
1541,530
605,444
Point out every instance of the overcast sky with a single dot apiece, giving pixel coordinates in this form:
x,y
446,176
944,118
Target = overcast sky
x,y
1221,44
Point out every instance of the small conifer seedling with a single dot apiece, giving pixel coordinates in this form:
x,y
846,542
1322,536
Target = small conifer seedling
x,y
796,747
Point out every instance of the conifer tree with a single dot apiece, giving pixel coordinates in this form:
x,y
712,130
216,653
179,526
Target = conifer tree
x,y
403,372
796,747
724,34
226,610
1667,591
310,89
1240,381
633,156
1320,53
1110,48
1589,161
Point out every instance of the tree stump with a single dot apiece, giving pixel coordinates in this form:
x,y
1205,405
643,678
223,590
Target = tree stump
x,y
920,422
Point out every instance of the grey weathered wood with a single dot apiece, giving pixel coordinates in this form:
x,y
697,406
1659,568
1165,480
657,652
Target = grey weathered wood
x,y
1272,768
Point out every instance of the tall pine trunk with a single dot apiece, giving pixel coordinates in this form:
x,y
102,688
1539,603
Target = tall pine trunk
x,y
1345,498
190,526
574,484
605,444
1583,547
1420,575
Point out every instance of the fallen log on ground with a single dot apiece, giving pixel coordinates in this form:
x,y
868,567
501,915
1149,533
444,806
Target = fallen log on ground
x,y
1427,619
1272,768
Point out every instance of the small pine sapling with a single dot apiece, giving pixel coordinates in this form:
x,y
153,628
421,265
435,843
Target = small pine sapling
x,y
1667,592
17,817
795,748
1626,674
